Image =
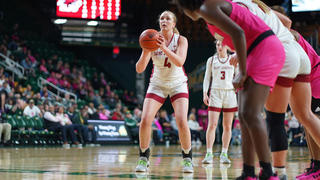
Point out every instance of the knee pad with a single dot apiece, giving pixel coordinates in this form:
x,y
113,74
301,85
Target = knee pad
x,y
277,134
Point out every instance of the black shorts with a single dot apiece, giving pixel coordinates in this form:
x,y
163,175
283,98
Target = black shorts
x,y
315,106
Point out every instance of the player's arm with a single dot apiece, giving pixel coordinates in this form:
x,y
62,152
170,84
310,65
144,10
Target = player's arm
x,y
180,56
284,19
143,61
215,12
207,76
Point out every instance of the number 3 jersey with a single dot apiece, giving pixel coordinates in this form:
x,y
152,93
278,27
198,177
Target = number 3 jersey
x,y
165,73
221,71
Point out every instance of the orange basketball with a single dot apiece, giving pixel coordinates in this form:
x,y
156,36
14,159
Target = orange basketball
x,y
148,39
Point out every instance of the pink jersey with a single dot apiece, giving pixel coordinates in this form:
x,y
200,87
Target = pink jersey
x,y
252,25
315,66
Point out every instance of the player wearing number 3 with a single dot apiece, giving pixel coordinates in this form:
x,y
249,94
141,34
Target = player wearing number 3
x,y
222,97
167,79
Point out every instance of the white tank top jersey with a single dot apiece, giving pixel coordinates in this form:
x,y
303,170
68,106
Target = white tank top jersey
x,y
221,71
270,18
164,71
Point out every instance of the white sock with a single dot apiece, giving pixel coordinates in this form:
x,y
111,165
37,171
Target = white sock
x,y
186,151
280,171
209,150
224,150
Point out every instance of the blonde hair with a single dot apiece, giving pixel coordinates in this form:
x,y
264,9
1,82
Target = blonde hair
x,y
175,30
262,5
192,117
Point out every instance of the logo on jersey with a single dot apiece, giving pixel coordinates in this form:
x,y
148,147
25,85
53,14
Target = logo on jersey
x,y
318,109
69,5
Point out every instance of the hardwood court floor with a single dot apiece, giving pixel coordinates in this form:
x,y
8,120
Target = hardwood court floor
x,y
118,162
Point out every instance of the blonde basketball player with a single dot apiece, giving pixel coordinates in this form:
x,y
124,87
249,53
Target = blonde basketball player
x,y
168,79
222,98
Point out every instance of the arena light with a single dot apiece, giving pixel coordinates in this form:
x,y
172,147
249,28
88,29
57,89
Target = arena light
x,y
92,23
60,21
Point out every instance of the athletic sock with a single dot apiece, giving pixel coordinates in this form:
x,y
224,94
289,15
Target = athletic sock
x,y
266,169
248,170
224,150
144,153
209,150
188,154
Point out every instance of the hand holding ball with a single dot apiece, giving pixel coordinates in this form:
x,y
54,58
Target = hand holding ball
x,y
148,39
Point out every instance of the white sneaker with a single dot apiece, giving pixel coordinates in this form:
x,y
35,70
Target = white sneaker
x,y
187,165
208,159
143,165
224,158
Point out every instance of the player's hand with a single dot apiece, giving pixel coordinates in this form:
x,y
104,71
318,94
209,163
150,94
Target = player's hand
x,y
239,80
234,60
205,99
161,42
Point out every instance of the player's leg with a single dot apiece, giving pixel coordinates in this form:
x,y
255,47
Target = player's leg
x,y
180,107
314,149
213,117
300,103
254,132
230,106
152,103
226,136
276,108
214,109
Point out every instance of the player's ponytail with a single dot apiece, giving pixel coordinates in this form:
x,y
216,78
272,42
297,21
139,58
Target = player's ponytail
x,y
263,6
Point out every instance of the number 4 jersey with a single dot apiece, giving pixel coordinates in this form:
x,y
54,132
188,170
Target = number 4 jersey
x,y
221,71
165,73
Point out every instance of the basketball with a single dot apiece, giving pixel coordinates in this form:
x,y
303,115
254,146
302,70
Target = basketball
x,y
148,39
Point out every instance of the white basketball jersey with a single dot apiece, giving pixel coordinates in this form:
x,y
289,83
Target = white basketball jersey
x,y
270,18
164,71
222,73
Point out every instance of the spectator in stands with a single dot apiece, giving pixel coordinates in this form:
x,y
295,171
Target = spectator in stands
x,y
6,87
104,114
53,79
27,64
11,106
108,91
28,91
103,81
195,129
66,101
137,114
2,78
79,125
32,59
32,110
5,130
64,83
92,111
117,114
236,132
166,125
112,101
43,69
132,126
65,70
157,131
52,123
203,117
43,90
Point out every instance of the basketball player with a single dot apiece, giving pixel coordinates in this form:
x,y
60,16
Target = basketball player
x,y
168,79
261,57
313,172
222,97
293,76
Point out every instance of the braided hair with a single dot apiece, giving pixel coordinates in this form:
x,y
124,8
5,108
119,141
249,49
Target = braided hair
x,y
191,5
